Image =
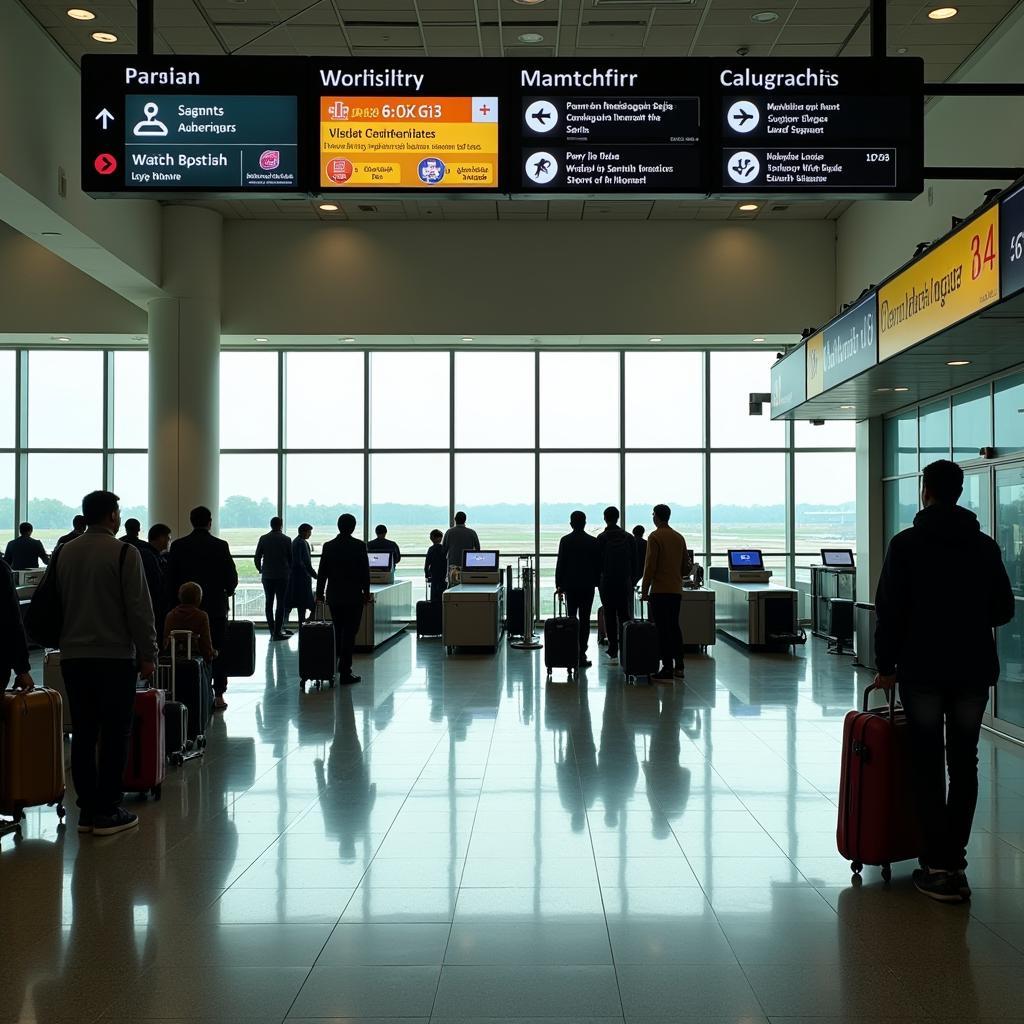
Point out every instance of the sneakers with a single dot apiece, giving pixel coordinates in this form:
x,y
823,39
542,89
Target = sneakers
x,y
120,821
285,633
943,886
965,889
85,821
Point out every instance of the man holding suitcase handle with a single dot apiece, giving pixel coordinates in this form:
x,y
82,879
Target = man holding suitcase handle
x,y
934,635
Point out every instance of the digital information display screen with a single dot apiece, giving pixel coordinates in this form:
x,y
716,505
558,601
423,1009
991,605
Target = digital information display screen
x,y
1011,232
842,127
163,124
634,127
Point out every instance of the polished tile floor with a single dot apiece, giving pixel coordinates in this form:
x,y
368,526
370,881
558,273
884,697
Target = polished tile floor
x,y
454,841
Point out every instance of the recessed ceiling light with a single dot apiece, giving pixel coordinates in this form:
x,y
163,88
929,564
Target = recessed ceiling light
x,y
61,339
80,14
759,341
527,3
348,341
749,207
901,49
261,339
467,339
104,37
764,17
654,341
901,389
329,207
846,407
959,362
882,391
531,38
51,234
943,13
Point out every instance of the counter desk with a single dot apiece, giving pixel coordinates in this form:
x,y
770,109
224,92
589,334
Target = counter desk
x,y
386,615
472,615
755,612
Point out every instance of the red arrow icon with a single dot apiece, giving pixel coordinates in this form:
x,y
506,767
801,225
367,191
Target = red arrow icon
x,y
105,163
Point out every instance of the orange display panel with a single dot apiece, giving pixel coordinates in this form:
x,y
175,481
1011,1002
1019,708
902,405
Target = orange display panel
x,y
371,142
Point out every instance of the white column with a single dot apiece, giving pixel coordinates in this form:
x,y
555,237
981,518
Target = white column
x,y
870,508
184,369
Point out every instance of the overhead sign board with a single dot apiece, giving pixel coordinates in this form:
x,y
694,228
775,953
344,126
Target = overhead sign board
x,y
843,126
815,364
407,126
1011,234
189,124
789,382
623,127
949,283
850,343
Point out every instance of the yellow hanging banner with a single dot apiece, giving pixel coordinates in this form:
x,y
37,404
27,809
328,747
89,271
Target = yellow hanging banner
x,y
815,364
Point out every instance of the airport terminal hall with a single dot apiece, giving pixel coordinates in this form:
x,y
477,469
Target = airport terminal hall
x,y
512,511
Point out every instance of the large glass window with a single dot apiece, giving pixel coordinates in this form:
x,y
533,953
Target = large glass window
x,y
825,496
65,399
321,487
248,501
972,423
934,431
748,501
131,399
409,495
734,377
676,480
248,400
497,494
409,399
131,484
308,424
900,444
1009,414
8,391
56,485
494,399
663,399
902,502
8,516
579,400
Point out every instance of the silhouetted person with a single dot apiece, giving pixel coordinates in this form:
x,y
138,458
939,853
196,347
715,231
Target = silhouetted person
x,y
381,543
201,558
25,552
77,529
274,564
942,590
154,561
641,552
435,566
300,585
576,574
132,530
345,579
457,540
618,564
664,568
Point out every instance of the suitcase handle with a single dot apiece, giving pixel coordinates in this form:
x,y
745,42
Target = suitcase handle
x,y
892,699
560,603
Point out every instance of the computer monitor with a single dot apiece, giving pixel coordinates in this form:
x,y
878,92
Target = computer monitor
x,y
380,561
746,560
837,558
480,561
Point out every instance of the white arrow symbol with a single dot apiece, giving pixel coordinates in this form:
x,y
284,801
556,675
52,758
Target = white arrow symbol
x,y
106,117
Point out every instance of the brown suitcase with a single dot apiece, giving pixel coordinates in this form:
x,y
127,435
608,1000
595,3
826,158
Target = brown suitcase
x,y
31,752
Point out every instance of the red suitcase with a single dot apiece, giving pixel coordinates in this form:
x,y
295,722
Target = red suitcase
x,y
146,767
877,823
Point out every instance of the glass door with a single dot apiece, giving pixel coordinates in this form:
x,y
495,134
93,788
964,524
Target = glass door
x,y
1009,697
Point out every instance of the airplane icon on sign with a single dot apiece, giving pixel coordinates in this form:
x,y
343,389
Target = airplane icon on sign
x,y
743,117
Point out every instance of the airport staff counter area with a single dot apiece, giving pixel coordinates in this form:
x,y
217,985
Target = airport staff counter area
x,y
749,608
473,610
386,615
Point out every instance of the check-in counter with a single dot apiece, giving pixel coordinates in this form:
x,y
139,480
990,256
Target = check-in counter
x,y
386,615
472,614
754,613
697,618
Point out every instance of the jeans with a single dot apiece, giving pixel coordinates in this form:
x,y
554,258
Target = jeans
x,y
218,631
346,616
276,592
944,730
101,692
665,616
617,602
578,605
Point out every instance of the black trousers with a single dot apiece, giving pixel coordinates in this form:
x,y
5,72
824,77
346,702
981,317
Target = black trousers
x,y
346,615
437,589
300,597
944,729
665,616
276,592
617,602
578,605
218,631
101,692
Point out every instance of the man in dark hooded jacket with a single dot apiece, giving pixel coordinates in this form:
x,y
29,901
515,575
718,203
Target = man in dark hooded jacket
x,y
942,590
617,560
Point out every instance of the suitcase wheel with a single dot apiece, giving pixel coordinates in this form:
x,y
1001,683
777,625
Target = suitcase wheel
x,y
856,867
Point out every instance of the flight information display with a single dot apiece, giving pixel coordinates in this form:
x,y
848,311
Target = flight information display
x,y
156,124
406,128
844,127
629,127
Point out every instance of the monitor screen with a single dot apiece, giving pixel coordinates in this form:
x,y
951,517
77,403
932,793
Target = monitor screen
x,y
841,558
379,560
749,560
482,561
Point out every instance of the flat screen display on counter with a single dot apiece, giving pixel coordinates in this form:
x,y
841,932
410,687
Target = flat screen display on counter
x,y
429,124
844,126
607,128
156,124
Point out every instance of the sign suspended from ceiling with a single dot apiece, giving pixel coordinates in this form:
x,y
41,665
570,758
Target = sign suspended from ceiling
x,y
606,128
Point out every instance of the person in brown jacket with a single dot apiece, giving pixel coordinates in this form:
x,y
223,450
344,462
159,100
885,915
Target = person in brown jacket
x,y
188,615
665,566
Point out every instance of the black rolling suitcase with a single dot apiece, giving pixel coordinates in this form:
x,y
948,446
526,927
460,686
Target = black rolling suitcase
x,y
178,743
428,617
515,616
561,642
639,648
318,660
237,655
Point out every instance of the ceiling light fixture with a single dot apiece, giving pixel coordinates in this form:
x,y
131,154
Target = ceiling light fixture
x,y
882,391
749,207
80,14
901,389
528,3
764,17
348,341
943,13
261,339
104,37
329,207
959,362
654,341
847,407
759,341
531,38
901,50
467,339
61,339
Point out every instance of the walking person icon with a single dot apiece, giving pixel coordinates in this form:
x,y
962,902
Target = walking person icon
x,y
151,126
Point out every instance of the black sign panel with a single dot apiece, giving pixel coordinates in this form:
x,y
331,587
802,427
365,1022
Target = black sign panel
x,y
851,342
843,127
616,128
190,124
1011,239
